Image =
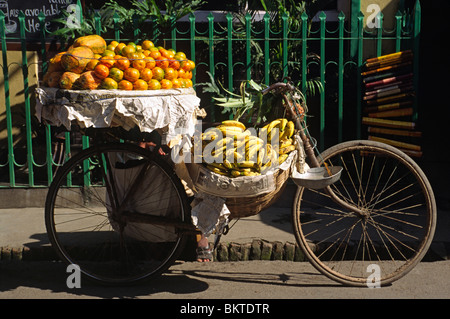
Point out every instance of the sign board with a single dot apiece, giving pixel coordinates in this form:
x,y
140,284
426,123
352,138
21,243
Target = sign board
x,y
31,10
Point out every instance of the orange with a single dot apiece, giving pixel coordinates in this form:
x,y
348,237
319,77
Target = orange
x,y
163,63
188,83
170,74
187,65
107,60
111,47
154,85
188,75
121,62
109,53
93,62
181,73
155,54
116,74
174,64
128,50
101,71
139,63
146,74
180,56
183,83
166,84
125,85
119,47
146,52
150,63
176,83
147,44
158,73
167,53
109,84
140,85
131,74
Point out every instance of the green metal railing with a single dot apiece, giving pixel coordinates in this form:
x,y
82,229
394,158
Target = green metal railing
x,y
337,108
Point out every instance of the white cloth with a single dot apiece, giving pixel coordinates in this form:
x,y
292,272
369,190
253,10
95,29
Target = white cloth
x,y
173,110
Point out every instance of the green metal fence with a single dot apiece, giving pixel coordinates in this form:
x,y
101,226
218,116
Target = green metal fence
x,y
29,153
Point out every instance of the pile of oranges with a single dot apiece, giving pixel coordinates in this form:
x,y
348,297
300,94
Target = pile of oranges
x,y
144,66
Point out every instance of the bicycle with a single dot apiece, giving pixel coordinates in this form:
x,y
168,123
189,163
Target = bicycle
x,y
381,210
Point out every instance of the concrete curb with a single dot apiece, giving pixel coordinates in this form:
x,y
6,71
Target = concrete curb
x,y
258,249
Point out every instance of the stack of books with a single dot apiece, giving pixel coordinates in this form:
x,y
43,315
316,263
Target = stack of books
x,y
388,101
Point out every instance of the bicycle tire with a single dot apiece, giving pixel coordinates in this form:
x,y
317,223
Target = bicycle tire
x,y
82,223
396,230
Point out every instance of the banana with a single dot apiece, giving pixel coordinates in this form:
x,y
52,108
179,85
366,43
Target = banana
x,y
227,164
216,170
283,123
246,164
252,150
261,156
234,123
229,130
210,135
289,131
286,142
272,125
235,173
286,149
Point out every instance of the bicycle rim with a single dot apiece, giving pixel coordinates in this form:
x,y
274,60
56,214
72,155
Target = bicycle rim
x,y
82,224
395,230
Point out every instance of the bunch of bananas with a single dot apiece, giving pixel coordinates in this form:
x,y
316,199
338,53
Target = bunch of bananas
x,y
232,150
283,144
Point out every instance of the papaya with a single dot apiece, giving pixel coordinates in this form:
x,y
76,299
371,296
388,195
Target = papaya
x,y
68,79
87,81
51,79
95,42
76,59
55,63
91,64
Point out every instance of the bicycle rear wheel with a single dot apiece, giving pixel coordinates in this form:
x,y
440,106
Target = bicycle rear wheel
x,y
90,206
394,230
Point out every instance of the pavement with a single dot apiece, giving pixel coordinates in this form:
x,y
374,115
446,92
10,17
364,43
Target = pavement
x,y
23,234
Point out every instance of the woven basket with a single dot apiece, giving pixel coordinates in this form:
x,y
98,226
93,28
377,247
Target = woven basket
x,y
249,206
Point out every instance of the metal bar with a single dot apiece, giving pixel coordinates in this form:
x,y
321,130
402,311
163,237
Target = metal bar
x,y
98,24
266,49
398,31
416,43
304,19
48,135
229,18
285,30
116,27
12,181
248,35
192,42
379,19
322,18
211,55
358,75
341,20
23,40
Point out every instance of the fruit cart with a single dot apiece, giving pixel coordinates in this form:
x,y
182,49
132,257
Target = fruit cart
x,y
122,213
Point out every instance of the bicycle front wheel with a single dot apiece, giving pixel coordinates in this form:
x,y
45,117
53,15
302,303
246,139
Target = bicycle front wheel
x,y
89,208
393,229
